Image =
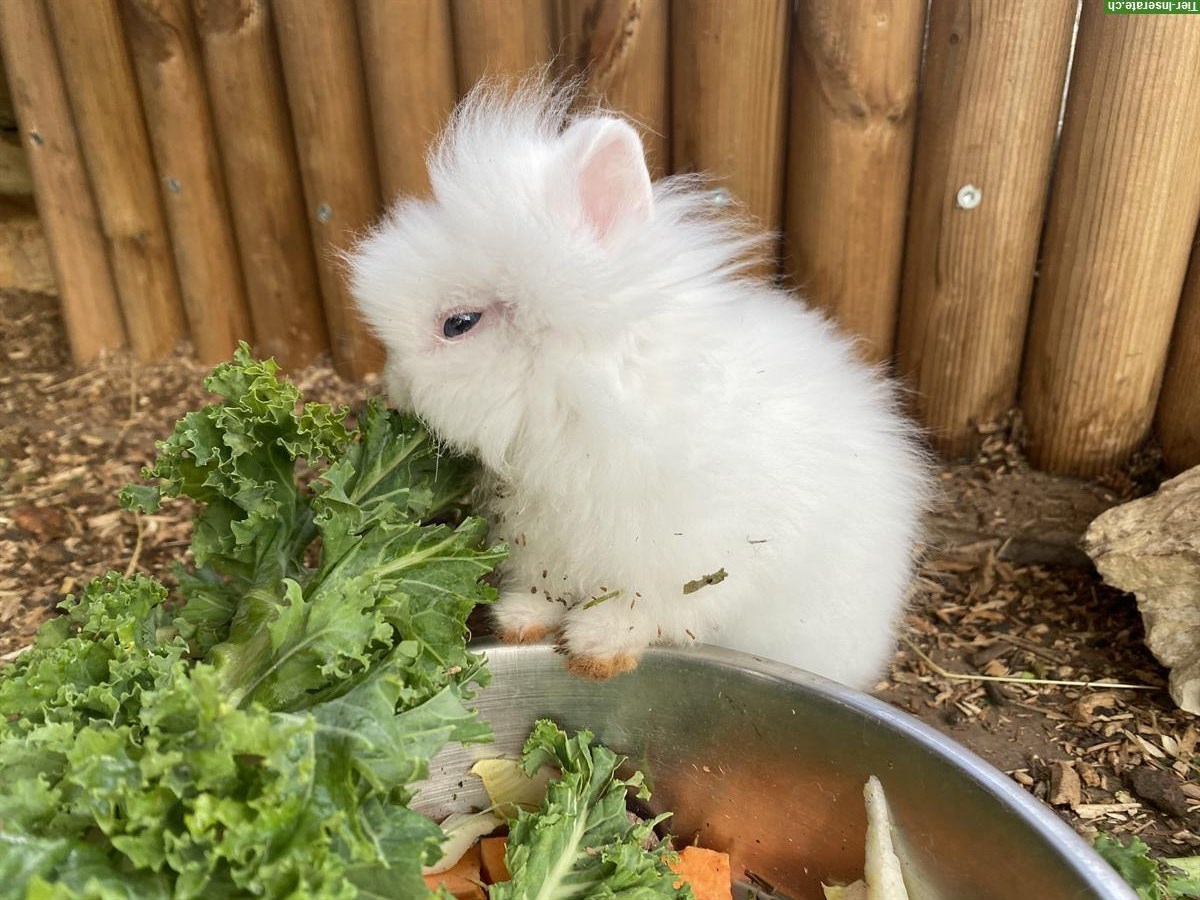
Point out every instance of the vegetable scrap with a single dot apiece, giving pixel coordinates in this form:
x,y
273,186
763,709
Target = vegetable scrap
x,y
883,877
569,834
463,880
706,872
509,786
596,601
568,830
704,581
580,842
492,852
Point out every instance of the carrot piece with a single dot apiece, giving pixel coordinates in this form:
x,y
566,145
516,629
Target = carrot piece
x,y
707,871
462,879
491,855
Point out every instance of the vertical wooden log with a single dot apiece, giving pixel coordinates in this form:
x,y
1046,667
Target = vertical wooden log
x,y
994,75
91,310
729,60
408,54
853,103
500,38
104,101
1122,214
254,133
166,55
318,43
619,48
1179,406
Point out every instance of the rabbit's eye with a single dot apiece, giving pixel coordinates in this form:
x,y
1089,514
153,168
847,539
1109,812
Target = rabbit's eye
x,y
460,323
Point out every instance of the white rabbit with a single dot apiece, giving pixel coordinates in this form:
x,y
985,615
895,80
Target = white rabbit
x,y
647,414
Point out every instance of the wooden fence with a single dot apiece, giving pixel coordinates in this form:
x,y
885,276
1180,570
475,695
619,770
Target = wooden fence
x,y
1001,235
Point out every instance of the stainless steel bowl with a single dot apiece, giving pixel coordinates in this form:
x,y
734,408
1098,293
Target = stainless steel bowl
x,y
768,763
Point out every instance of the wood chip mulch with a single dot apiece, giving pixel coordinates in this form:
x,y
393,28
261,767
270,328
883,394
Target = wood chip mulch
x,y
1115,760
1108,759
69,441
1005,593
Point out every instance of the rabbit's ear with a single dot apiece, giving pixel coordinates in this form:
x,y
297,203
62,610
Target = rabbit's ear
x,y
613,182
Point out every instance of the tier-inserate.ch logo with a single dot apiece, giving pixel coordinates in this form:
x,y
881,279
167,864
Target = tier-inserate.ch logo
x,y
1127,7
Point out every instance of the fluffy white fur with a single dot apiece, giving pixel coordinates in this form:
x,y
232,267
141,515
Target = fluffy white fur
x,y
647,414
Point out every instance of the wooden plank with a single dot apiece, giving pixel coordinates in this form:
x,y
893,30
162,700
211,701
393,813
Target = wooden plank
x,y
618,48
318,43
853,106
266,198
408,55
1178,416
500,39
1122,214
728,71
91,311
107,111
166,55
994,76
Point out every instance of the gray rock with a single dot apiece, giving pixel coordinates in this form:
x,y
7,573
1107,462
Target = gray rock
x,y
1151,548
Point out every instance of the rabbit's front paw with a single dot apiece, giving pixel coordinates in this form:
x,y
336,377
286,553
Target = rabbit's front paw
x,y
605,639
525,618
601,668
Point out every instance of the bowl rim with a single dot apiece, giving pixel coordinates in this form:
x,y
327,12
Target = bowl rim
x,y
1075,851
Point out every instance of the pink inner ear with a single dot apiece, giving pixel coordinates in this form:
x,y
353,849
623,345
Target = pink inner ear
x,y
614,184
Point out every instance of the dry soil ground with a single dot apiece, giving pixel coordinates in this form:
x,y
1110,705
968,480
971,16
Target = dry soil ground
x,y
1003,593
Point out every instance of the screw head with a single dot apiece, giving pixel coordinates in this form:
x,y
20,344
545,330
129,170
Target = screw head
x,y
968,196
324,213
720,198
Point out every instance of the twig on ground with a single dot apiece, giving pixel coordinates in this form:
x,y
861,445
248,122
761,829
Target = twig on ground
x,y
13,654
1016,679
1043,652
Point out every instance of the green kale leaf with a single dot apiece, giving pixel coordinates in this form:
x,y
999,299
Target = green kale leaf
x,y
580,843
257,734
1150,878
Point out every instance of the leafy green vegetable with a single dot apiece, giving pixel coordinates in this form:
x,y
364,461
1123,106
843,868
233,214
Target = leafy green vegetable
x,y
580,844
260,740
1152,879
258,734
